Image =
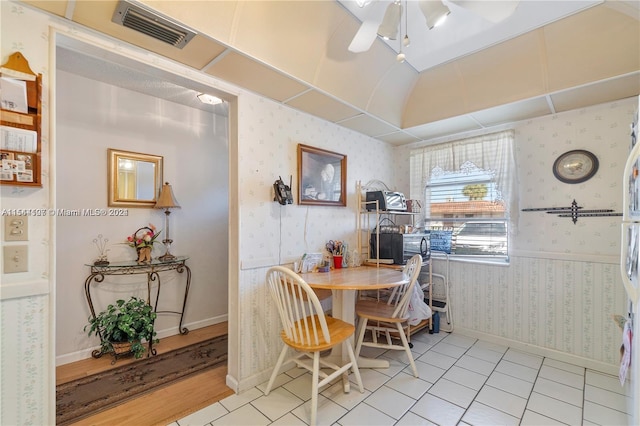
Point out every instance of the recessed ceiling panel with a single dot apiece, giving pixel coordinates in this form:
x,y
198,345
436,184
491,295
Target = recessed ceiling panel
x,y
323,106
503,73
398,138
597,44
439,93
368,125
389,97
56,7
358,75
516,111
291,36
446,127
252,75
592,94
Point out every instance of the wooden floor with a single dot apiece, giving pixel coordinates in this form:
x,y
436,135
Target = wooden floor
x,y
166,404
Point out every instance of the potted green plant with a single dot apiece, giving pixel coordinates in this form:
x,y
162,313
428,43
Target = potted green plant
x,y
124,327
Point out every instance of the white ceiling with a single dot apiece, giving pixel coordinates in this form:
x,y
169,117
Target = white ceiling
x,y
464,31
548,57
99,65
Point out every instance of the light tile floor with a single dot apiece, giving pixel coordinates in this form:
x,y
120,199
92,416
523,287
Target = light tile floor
x,y
463,381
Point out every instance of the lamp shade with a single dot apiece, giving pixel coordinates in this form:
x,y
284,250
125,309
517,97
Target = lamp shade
x,y
434,12
166,200
388,29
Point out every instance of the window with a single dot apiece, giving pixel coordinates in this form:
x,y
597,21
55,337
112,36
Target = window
x,y
467,188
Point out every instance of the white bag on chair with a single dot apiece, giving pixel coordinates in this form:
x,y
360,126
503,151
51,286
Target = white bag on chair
x,y
418,310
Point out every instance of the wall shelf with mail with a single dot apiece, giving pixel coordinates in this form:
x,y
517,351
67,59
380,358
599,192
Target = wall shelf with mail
x,y
20,123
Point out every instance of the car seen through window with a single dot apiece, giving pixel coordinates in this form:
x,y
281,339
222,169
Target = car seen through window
x,y
480,238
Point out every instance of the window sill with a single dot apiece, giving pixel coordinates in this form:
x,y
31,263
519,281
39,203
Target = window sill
x,y
495,261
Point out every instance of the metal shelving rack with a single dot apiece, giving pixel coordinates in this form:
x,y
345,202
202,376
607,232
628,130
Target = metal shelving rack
x,y
369,220
365,228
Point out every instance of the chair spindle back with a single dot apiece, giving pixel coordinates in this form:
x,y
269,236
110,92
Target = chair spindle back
x,y
301,313
401,295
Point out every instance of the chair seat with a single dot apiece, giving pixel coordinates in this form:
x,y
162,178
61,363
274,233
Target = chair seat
x,y
339,331
387,319
309,331
377,311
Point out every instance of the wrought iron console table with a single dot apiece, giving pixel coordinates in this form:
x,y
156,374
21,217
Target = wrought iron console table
x,y
152,270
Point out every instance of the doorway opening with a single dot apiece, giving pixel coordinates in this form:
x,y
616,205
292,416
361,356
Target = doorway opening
x,y
105,100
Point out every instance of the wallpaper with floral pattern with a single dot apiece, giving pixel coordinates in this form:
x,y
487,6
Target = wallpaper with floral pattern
x,y
602,130
24,322
558,302
562,286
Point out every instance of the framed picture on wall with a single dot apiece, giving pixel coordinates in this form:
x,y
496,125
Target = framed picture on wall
x,y
322,177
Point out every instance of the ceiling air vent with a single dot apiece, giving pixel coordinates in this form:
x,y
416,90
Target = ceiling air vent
x,y
151,24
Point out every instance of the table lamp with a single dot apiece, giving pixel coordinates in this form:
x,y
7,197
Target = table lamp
x,y
167,201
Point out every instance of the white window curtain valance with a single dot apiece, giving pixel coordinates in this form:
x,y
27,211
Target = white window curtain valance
x,y
493,151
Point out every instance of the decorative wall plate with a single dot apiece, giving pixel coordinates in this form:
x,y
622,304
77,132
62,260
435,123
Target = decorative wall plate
x,y
575,166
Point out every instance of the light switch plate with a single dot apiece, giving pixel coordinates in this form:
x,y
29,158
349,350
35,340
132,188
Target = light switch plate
x,y
16,259
16,228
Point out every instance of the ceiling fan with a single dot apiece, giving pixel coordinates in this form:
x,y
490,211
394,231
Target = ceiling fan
x,y
383,18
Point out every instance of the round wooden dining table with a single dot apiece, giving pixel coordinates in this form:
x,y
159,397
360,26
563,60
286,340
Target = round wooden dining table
x,y
344,284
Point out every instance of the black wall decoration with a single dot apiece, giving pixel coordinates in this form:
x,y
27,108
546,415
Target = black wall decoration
x,y
574,211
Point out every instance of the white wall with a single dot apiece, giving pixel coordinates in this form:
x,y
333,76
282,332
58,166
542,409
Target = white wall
x,y
563,285
93,116
271,233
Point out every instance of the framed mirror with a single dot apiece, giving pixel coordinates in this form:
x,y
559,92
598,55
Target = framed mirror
x,y
134,178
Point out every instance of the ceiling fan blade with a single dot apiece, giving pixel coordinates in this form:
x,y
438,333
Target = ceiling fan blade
x,y
494,11
368,31
364,38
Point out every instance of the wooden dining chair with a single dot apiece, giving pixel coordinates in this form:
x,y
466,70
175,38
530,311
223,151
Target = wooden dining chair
x,y
308,331
389,317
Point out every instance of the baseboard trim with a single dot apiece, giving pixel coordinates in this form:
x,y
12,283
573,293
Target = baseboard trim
x,y
258,378
232,383
591,364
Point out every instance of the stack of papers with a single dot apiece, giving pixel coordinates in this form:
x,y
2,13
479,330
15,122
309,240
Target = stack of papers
x,y
14,139
13,95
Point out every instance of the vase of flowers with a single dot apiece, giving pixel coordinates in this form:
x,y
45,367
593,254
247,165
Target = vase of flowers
x,y
142,240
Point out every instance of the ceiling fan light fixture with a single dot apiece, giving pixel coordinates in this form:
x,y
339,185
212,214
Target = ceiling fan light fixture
x,y
388,29
435,12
